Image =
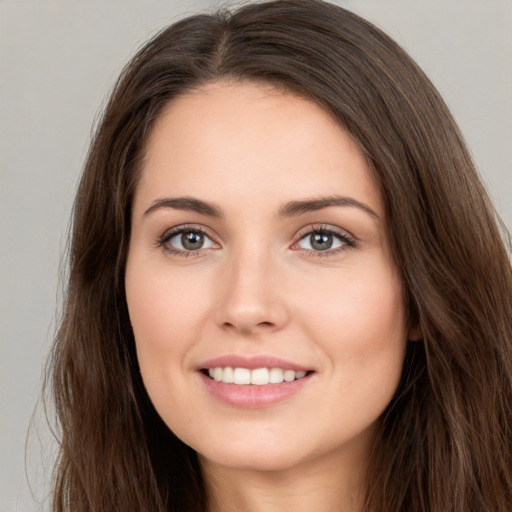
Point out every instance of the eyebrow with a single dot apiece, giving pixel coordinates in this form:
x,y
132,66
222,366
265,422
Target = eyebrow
x,y
294,208
290,209
188,204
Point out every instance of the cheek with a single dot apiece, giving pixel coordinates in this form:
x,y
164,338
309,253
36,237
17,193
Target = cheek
x,y
356,304
359,321
164,317
160,301
165,322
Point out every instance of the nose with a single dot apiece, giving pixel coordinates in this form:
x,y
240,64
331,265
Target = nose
x,y
252,295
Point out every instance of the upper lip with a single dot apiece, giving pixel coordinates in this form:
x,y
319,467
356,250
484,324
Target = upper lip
x,y
252,363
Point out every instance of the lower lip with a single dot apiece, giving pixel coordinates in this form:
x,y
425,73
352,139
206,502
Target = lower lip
x,y
252,396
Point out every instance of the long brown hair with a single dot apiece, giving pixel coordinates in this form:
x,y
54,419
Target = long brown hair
x,y
445,442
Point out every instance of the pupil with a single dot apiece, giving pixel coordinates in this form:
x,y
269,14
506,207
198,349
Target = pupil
x,y
321,241
192,240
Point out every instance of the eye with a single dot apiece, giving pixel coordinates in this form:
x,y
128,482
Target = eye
x,y
186,240
324,240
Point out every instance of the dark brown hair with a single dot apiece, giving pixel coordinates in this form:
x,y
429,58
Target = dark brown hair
x,y
445,442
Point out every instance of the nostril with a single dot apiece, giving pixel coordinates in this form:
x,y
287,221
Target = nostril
x,y
248,328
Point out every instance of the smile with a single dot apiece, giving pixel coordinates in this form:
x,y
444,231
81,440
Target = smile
x,y
256,377
252,382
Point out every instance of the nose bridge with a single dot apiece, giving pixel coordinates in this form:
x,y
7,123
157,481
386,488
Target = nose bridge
x,y
250,295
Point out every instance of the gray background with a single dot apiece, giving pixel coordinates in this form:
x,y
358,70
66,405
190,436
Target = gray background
x,y
58,60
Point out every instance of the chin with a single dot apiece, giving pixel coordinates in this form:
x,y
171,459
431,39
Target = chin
x,y
263,461
279,450
252,452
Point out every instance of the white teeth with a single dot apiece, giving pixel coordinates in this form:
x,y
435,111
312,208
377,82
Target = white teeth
x,y
227,375
276,376
289,375
257,377
241,376
217,374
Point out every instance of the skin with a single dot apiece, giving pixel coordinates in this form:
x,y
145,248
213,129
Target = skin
x,y
258,287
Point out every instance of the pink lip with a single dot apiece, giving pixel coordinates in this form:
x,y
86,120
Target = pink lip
x,y
250,396
252,363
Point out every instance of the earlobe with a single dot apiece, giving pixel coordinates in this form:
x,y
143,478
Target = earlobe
x,y
415,333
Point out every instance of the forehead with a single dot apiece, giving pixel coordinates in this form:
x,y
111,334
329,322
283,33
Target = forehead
x,y
248,141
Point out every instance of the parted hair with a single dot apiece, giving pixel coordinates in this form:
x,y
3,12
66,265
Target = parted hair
x,y
445,440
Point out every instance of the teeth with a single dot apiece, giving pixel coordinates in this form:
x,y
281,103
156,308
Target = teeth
x,y
217,374
258,377
228,375
276,376
241,376
289,375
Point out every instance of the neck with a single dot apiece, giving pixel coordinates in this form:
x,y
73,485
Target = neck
x,y
321,485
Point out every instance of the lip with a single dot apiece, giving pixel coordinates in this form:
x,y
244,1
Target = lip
x,y
252,363
252,396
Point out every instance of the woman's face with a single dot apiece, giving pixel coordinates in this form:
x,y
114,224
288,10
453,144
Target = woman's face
x,y
259,254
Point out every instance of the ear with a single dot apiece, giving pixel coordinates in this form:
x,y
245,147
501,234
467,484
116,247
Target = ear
x,y
414,333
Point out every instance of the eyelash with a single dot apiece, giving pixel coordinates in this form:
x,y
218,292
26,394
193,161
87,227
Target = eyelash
x,y
168,235
347,240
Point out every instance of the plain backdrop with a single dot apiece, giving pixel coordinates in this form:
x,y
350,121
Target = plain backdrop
x,y
58,60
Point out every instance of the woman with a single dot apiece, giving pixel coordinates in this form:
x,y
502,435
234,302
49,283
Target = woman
x,y
287,285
